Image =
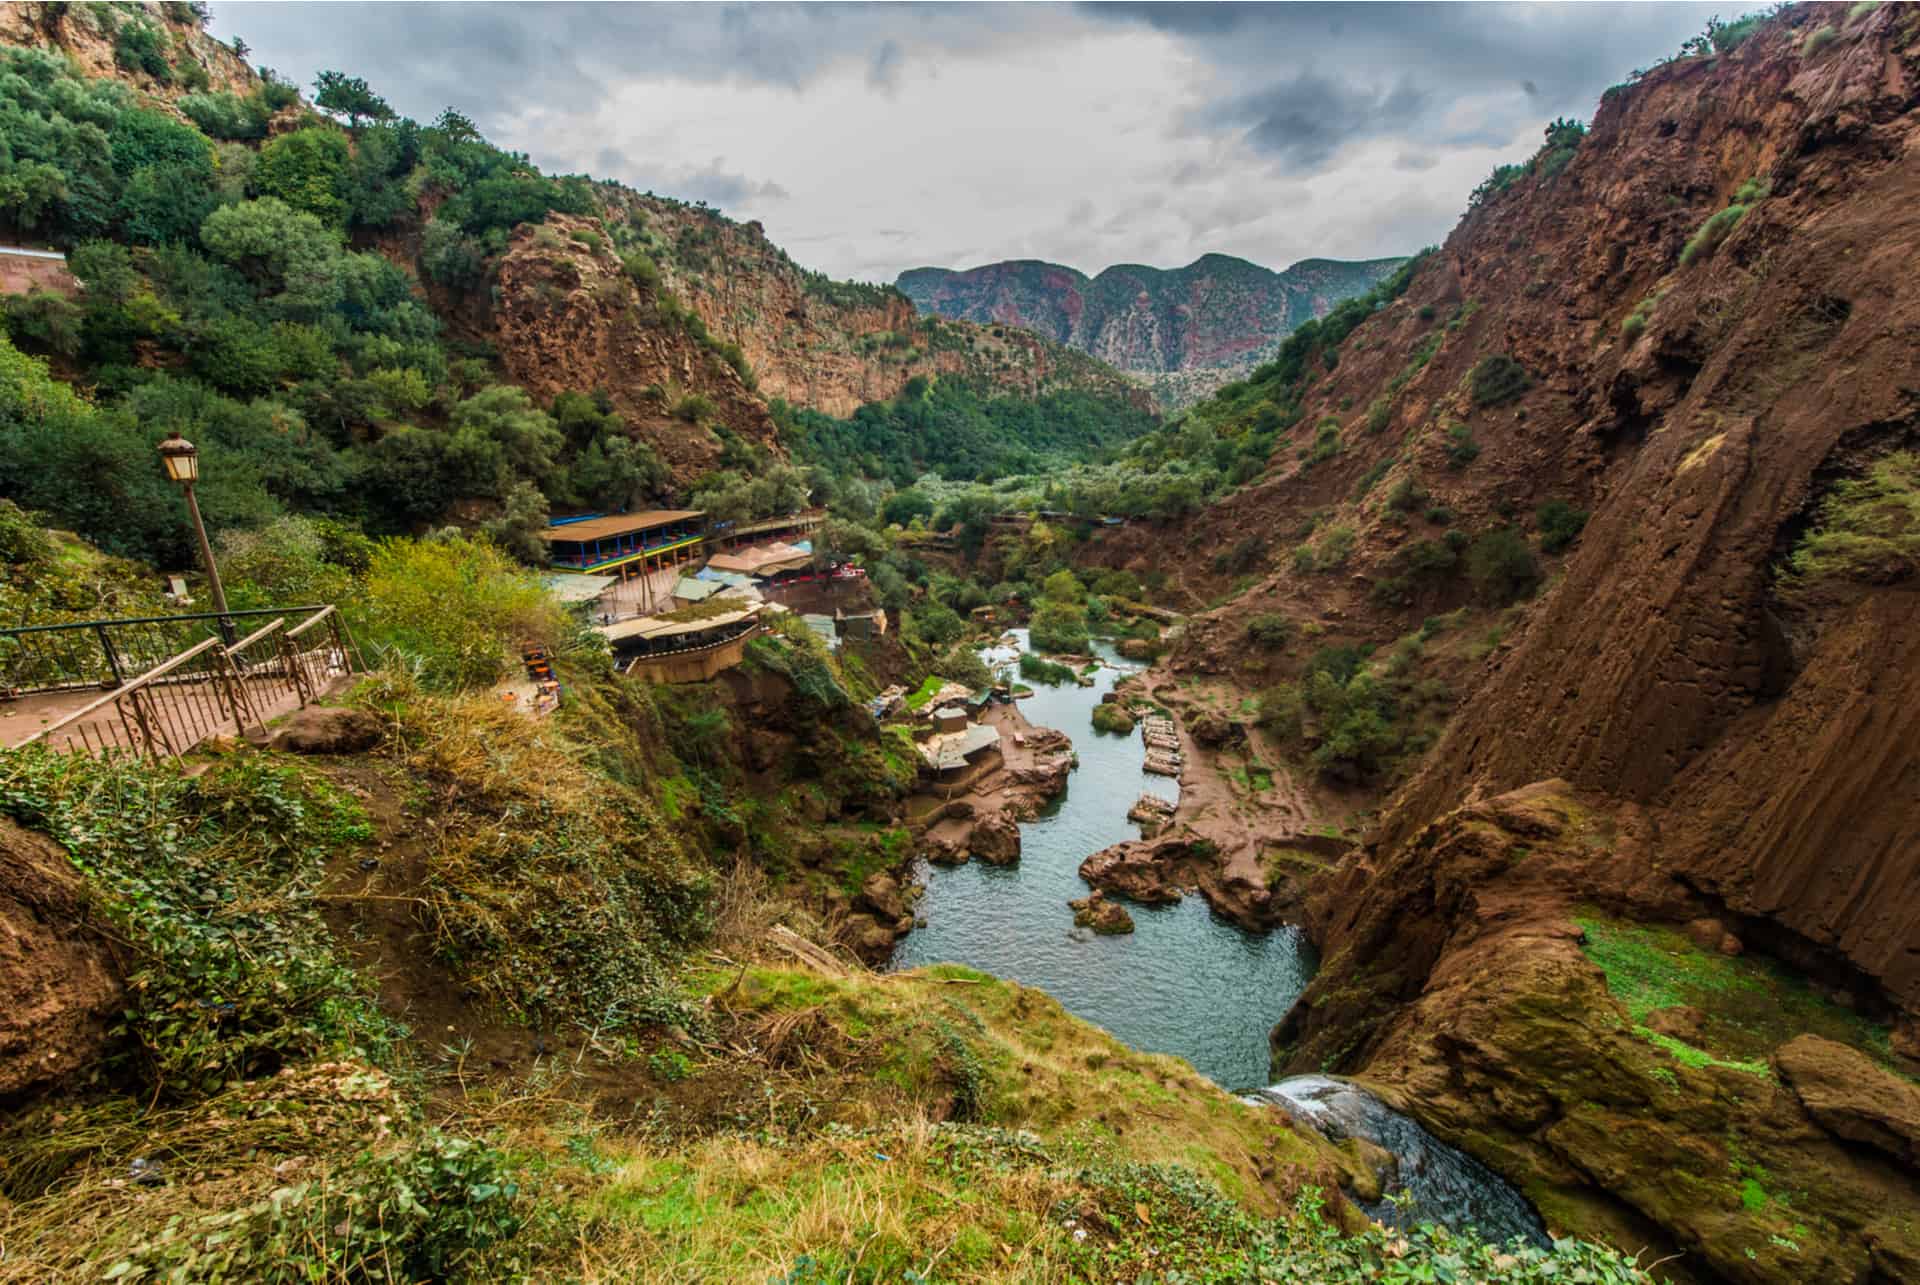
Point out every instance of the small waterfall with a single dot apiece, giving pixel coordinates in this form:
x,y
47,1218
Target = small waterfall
x,y
1447,1185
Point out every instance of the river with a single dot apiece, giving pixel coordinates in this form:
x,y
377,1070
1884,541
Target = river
x,y
1182,982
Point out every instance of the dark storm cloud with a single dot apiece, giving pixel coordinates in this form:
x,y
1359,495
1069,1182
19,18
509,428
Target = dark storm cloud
x,y
1302,122
1302,80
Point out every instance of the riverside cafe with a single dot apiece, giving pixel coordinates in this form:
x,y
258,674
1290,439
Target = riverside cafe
x,y
626,544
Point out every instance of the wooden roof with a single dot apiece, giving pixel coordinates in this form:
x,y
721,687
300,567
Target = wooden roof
x,y
618,524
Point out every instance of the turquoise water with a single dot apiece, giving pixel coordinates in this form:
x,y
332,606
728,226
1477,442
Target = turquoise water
x,y
1182,982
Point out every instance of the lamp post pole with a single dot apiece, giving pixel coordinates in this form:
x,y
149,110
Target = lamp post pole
x,y
182,461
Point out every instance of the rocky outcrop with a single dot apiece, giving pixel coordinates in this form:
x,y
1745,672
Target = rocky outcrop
x,y
1096,913
566,316
1852,1098
1159,871
196,62
62,983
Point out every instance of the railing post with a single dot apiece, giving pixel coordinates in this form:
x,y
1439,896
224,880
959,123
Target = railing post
x,y
229,677
302,682
113,657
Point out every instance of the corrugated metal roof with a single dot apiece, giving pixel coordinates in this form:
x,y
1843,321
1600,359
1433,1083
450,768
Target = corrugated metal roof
x,y
697,590
570,586
944,753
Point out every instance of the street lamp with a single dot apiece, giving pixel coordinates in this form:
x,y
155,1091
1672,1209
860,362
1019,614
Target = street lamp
x,y
182,461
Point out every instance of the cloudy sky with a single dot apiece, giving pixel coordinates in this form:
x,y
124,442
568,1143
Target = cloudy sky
x,y
874,138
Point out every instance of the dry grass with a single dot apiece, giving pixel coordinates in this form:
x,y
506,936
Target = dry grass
x,y
75,1200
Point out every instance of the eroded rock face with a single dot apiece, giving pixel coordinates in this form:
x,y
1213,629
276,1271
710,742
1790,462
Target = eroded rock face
x,y
327,729
1851,1097
1455,985
61,983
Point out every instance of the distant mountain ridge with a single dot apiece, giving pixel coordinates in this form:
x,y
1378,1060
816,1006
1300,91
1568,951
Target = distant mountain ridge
x,y
1217,312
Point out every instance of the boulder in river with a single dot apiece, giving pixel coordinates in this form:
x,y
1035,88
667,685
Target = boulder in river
x,y
1102,916
995,840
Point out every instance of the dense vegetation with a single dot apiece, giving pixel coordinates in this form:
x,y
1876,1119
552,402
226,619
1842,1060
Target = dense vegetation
x,y
960,430
222,300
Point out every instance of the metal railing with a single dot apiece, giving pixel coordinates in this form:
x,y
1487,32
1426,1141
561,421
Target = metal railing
x,y
107,653
212,690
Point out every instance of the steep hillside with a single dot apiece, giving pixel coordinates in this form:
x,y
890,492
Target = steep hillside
x,y
435,330
158,48
1217,312
1642,438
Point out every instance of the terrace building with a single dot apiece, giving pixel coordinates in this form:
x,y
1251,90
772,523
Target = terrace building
x,y
627,544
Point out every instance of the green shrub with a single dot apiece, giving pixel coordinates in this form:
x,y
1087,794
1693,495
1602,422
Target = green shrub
x,y
1282,711
1379,412
1372,475
141,46
1715,230
1326,443
1248,554
1498,378
694,408
1636,321
210,884
1041,670
1502,567
1407,495
1560,525
453,611
1270,630
309,170
1818,40
1460,447
1440,514
1867,532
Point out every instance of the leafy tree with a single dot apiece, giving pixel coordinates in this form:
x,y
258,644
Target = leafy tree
x,y
518,526
500,438
349,96
902,507
1059,627
937,623
1062,586
1270,630
141,46
283,251
412,477
309,170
